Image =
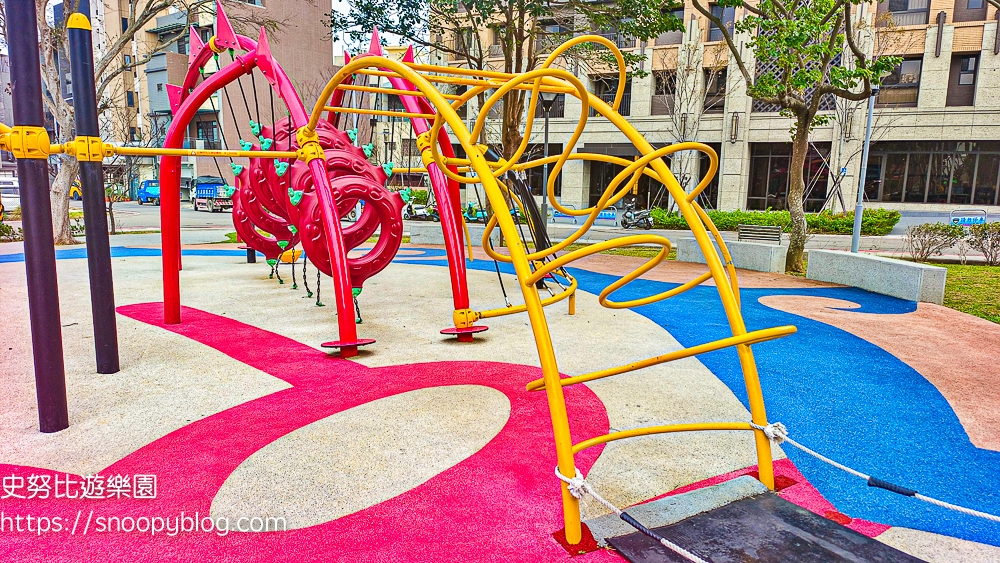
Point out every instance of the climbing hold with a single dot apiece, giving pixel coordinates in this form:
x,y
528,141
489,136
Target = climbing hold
x,y
296,197
230,190
271,261
283,244
281,168
387,168
353,134
356,291
293,229
254,128
266,144
369,149
245,145
237,168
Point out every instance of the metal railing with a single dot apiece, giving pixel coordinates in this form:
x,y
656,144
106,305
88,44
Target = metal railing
x,y
625,108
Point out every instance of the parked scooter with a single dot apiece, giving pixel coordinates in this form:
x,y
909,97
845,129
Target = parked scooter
x,y
420,212
634,219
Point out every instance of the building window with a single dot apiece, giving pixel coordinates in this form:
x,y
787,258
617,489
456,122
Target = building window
x,y
159,87
130,99
605,88
969,10
903,12
709,197
128,60
715,91
558,108
664,90
124,25
133,134
551,35
536,178
205,33
182,45
957,173
769,176
646,193
672,37
962,80
727,15
620,40
902,87
208,131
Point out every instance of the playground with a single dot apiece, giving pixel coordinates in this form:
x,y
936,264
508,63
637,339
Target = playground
x,y
350,397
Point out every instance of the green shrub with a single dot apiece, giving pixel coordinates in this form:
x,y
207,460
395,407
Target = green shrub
x,y
877,222
420,197
921,241
10,234
986,239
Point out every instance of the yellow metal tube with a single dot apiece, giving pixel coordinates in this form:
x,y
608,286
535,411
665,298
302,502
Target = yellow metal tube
x,y
754,337
364,111
568,292
650,430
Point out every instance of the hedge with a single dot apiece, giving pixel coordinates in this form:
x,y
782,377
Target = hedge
x,y
877,222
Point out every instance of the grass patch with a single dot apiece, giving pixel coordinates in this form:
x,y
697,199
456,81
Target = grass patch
x,y
638,251
231,238
157,231
973,290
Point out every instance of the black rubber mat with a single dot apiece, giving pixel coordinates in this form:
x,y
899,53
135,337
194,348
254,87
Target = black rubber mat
x,y
760,529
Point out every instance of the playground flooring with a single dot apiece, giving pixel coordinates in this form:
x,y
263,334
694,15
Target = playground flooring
x,y
426,449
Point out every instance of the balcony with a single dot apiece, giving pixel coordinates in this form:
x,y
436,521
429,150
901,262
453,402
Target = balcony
x,y
620,40
902,97
609,98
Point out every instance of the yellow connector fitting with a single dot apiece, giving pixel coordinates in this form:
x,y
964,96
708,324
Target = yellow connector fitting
x,y
87,149
308,140
213,47
465,318
28,142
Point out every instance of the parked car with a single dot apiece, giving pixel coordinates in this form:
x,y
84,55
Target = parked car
x,y
10,195
211,193
148,192
76,190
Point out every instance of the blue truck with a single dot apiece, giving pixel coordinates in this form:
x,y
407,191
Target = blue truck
x,y
148,192
211,193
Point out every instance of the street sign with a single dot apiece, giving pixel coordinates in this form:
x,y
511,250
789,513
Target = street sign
x,y
968,217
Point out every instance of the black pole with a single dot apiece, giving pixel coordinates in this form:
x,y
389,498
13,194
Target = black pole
x,y
36,219
102,289
251,256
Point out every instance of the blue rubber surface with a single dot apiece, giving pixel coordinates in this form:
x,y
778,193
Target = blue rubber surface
x,y
837,393
841,396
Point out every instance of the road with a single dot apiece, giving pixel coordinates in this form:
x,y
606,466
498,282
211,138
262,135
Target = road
x,y
130,216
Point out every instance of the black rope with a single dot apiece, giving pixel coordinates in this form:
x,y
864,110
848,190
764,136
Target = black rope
x,y
239,80
270,91
256,104
277,271
222,131
236,123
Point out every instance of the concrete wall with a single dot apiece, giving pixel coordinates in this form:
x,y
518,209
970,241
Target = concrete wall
x,y
746,255
898,278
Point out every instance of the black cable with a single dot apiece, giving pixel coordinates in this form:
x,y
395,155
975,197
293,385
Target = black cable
x,y
318,302
222,130
256,104
295,284
235,122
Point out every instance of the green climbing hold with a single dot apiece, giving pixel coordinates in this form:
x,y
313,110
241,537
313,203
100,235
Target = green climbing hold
x,y
283,244
254,128
387,168
369,149
296,197
353,134
281,168
245,145
232,53
266,144
237,168
271,261
319,304
230,190
356,291
293,229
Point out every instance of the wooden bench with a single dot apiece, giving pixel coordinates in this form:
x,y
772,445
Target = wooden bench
x,y
757,233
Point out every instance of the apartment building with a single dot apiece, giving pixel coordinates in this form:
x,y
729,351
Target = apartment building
x,y
300,45
935,146
7,165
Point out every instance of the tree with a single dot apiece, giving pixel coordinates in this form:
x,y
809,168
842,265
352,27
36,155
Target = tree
x,y
804,51
516,34
685,94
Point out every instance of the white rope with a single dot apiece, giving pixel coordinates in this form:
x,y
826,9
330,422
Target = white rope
x,y
578,487
778,434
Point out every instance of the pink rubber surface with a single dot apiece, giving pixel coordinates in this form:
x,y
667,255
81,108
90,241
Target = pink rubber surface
x,y
500,504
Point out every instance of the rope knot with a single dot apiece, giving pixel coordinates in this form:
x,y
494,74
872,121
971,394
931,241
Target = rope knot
x,y
577,485
776,432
